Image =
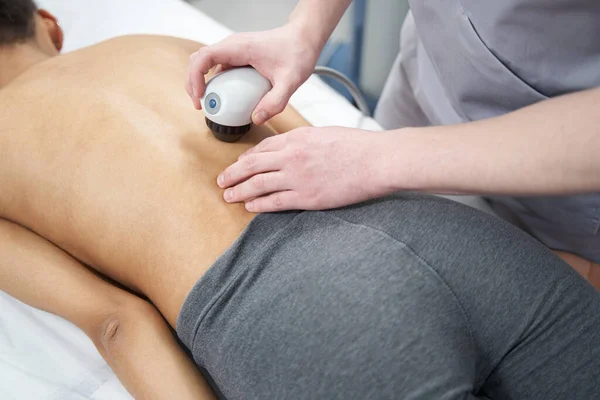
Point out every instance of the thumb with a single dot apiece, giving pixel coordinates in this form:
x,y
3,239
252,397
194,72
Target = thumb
x,y
272,104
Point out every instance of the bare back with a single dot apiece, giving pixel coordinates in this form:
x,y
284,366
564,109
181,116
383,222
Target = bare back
x,y
102,153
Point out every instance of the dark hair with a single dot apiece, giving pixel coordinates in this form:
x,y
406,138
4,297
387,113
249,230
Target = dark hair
x,y
17,22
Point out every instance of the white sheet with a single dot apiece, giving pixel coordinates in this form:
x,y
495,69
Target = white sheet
x,y
43,356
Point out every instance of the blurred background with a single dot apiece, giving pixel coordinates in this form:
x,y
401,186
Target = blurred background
x,y
363,46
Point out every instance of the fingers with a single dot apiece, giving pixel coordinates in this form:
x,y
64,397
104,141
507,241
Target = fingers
x,y
188,89
207,57
279,201
188,81
258,185
246,167
272,103
189,86
196,76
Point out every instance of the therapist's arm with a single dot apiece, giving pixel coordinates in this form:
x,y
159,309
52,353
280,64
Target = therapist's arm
x,y
129,332
548,148
552,147
317,19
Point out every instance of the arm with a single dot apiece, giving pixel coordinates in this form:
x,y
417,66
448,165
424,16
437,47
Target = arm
x,y
130,334
548,148
316,19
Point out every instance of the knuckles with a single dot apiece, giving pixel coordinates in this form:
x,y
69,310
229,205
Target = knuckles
x,y
248,162
277,202
258,181
298,155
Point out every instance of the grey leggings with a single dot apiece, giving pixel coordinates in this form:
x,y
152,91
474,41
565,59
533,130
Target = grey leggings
x,y
407,297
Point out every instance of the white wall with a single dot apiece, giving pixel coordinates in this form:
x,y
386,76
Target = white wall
x,y
381,42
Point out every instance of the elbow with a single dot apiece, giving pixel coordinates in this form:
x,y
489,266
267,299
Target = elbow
x,y
107,336
115,330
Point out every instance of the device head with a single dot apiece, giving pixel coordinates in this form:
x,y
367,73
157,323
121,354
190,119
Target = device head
x,y
229,100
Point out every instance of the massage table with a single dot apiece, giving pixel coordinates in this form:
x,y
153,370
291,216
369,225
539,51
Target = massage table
x,y
43,356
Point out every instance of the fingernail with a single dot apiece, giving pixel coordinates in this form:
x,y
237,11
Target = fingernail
x,y
195,90
250,206
260,117
220,180
228,195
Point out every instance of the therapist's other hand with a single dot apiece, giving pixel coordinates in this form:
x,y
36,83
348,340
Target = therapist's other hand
x,y
308,169
284,56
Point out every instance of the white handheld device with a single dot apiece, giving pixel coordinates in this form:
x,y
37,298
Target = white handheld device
x,y
230,99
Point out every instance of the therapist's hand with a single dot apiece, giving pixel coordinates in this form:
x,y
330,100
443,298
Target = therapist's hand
x,y
285,56
308,169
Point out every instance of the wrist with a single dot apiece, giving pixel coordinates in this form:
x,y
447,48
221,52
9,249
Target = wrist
x,y
311,39
401,163
316,20
382,166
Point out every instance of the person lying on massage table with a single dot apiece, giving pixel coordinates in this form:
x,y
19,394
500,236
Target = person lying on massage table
x,y
103,175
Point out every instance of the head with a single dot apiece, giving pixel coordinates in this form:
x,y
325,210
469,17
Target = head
x,y
23,24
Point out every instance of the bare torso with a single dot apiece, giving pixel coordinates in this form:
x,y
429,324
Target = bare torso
x,y
103,154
